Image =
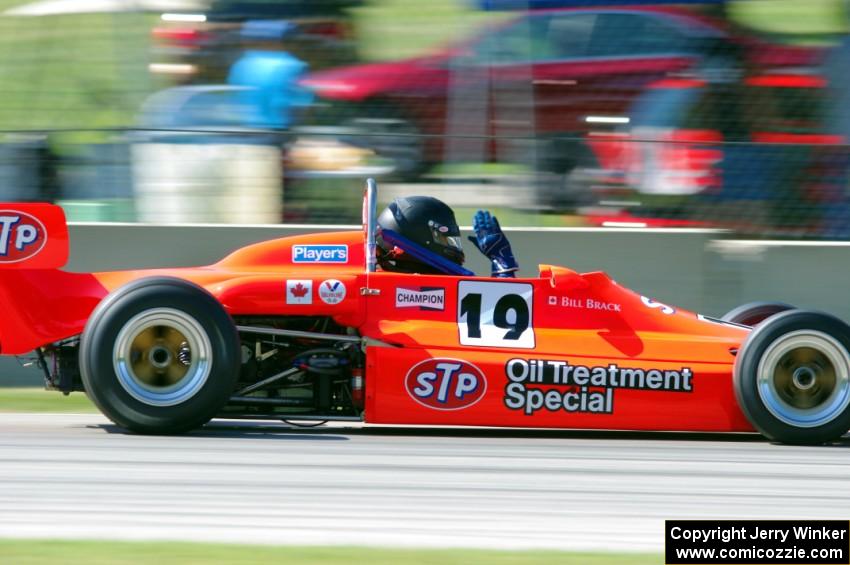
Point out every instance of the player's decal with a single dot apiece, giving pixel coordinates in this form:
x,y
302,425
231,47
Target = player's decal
x,y
423,297
560,385
650,303
299,291
496,314
22,236
332,291
333,253
445,384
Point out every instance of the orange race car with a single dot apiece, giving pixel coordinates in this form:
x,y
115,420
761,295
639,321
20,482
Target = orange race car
x,y
308,328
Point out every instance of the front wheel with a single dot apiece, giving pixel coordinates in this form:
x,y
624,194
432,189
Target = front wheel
x,y
792,377
159,355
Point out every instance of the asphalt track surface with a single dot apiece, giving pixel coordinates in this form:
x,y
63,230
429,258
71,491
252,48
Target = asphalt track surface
x,y
77,476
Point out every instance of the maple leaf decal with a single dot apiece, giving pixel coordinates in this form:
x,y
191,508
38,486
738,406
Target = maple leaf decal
x,y
299,290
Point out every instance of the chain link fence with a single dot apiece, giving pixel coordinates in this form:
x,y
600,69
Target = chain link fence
x,y
643,114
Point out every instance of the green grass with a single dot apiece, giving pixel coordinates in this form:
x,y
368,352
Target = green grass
x,y
72,71
39,400
809,18
393,29
518,218
27,552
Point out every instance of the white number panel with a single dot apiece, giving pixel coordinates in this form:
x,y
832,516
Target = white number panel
x,y
495,314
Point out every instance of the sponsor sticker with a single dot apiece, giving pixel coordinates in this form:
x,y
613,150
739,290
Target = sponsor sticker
x,y
650,303
495,314
299,291
22,236
424,298
445,384
559,385
584,303
320,253
332,291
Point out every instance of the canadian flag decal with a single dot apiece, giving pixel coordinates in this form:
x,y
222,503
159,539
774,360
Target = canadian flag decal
x,y
299,291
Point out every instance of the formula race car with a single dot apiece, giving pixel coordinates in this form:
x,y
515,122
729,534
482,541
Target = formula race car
x,y
308,328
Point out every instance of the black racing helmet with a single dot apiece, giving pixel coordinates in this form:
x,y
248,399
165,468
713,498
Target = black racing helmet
x,y
426,221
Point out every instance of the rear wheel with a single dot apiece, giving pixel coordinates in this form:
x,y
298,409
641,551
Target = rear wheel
x,y
792,377
754,313
159,355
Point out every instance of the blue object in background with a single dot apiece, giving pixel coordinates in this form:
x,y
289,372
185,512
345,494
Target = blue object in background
x,y
266,30
269,78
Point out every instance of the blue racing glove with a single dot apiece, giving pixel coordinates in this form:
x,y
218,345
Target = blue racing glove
x,y
490,241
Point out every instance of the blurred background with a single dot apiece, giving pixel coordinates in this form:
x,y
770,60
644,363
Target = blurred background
x,y
711,113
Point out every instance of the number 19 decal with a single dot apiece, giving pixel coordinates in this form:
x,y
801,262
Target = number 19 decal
x,y
495,314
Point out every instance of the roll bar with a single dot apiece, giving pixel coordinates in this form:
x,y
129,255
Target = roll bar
x,y
370,223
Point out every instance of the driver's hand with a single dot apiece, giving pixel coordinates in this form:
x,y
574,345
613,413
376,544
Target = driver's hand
x,y
490,241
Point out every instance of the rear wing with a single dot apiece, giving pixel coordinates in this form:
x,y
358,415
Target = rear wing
x,y
32,236
33,291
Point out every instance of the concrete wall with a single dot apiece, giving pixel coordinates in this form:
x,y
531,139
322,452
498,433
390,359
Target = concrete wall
x,y
695,269
808,275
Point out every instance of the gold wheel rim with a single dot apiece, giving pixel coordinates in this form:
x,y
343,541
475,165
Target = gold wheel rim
x,y
162,357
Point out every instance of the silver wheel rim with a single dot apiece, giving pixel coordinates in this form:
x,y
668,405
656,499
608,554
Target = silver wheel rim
x,y
804,378
162,357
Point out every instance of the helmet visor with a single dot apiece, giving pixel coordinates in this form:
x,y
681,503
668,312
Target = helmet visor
x,y
451,245
442,235
447,238
452,241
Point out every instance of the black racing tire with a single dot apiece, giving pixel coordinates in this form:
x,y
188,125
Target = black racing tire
x,y
792,377
160,356
754,313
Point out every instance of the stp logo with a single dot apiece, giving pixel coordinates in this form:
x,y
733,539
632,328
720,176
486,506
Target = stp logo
x,y
445,384
22,236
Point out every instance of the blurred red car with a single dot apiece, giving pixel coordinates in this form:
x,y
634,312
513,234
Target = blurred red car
x,y
548,74
762,140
